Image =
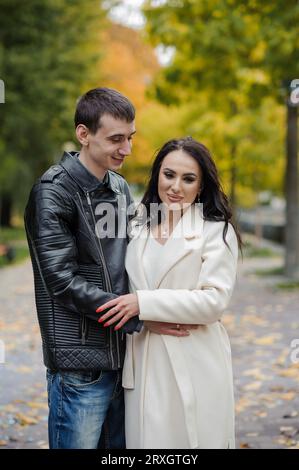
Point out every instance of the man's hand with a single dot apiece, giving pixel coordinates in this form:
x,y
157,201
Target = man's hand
x,y
171,329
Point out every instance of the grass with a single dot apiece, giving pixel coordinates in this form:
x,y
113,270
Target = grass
x,y
291,285
288,285
251,251
270,272
14,237
8,235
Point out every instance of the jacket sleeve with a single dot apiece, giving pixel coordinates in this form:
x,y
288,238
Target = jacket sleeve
x,y
134,324
48,219
206,303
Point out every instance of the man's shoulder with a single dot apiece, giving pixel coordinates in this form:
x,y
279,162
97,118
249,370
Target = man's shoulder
x,y
51,174
54,181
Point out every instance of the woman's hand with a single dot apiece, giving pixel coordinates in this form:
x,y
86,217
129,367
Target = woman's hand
x,y
123,308
170,329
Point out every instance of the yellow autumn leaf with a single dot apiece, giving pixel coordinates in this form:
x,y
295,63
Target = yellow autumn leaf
x,y
24,420
36,404
242,404
257,374
288,396
266,340
261,414
252,386
289,372
24,369
244,445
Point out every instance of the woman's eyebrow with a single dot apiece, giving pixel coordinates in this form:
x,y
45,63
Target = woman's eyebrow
x,y
185,174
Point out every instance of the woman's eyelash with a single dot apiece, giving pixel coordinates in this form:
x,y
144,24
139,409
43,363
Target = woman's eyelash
x,y
189,180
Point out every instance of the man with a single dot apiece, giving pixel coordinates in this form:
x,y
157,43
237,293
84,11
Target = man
x,y
77,269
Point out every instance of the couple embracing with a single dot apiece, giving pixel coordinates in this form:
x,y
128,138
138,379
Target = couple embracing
x,y
135,351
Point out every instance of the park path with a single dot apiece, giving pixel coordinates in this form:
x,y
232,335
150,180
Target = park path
x,y
262,321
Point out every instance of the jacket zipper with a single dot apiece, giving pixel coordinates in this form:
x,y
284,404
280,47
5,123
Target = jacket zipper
x,y
107,279
88,226
106,276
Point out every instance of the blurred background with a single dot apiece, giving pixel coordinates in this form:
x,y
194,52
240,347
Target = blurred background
x,y
224,72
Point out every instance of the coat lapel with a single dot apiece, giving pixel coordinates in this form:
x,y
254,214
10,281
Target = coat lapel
x,y
183,239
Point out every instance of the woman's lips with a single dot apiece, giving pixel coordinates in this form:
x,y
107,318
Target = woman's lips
x,y
174,198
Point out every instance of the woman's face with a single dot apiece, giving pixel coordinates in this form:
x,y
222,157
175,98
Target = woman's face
x,y
179,179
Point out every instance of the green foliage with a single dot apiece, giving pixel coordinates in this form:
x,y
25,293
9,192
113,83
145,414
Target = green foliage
x,y
226,45
47,51
230,60
12,234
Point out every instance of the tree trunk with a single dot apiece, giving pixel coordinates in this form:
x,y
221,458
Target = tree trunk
x,y
233,180
291,193
5,210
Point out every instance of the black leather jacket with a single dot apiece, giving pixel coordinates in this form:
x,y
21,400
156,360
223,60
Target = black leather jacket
x,y
71,279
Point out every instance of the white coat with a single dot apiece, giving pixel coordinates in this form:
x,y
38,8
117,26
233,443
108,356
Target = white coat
x,y
179,391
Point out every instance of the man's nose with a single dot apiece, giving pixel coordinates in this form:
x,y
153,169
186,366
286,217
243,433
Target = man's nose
x,y
125,148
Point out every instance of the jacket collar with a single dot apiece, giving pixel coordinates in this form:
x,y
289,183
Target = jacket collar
x,y
84,179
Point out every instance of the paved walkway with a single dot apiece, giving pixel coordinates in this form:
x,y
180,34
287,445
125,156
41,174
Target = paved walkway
x,y
262,321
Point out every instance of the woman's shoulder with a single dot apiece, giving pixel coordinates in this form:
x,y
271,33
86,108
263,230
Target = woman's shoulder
x,y
215,229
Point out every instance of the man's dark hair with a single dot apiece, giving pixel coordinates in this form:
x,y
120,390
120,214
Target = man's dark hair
x,y
93,104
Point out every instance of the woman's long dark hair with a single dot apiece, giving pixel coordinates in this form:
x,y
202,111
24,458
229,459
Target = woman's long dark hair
x,y
215,202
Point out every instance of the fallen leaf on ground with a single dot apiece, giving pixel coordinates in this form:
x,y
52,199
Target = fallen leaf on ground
x,y
38,405
267,340
253,386
288,396
24,420
244,445
290,372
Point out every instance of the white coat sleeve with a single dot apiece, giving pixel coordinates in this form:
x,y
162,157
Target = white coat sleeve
x,y
206,303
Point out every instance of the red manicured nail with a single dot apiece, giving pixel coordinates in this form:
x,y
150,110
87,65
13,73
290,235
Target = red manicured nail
x,y
116,328
105,324
100,320
99,309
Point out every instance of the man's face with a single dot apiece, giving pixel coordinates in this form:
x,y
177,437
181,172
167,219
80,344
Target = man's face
x,y
112,142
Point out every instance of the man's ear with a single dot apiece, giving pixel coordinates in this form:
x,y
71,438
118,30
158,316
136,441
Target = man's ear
x,y
82,133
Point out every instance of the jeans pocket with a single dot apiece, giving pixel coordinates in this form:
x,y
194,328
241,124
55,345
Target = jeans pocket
x,y
80,379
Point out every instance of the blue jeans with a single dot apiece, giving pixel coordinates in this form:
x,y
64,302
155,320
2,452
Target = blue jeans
x,y
86,410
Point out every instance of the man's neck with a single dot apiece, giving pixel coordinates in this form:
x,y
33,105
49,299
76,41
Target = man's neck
x,y
97,171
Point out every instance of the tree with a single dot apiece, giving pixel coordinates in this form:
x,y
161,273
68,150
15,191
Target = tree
x,y
47,49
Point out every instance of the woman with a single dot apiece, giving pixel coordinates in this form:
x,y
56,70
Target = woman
x,y
182,269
